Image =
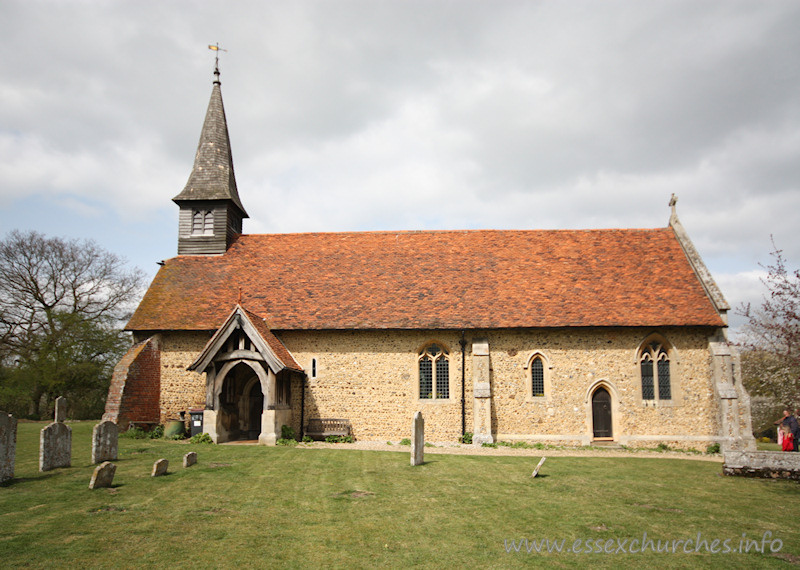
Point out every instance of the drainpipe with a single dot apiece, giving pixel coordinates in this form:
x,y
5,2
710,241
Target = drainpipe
x,y
463,343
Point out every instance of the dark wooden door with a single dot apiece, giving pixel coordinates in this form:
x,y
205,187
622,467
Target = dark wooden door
x,y
256,407
601,413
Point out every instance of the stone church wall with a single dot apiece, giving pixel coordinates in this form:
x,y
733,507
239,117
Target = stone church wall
x,y
371,378
181,389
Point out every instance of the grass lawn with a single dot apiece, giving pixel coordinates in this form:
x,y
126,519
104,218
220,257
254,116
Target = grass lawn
x,y
243,506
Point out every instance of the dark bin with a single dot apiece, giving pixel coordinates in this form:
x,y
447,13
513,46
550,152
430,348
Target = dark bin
x,y
197,421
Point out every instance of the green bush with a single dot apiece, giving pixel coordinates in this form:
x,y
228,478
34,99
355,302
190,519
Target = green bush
x,y
466,438
286,441
339,439
713,448
662,447
157,432
405,441
287,433
307,439
135,433
201,438
494,445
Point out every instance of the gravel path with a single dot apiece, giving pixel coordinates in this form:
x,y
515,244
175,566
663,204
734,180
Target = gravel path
x,y
460,449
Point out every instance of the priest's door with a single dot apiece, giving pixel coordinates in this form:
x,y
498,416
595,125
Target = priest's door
x,y
601,414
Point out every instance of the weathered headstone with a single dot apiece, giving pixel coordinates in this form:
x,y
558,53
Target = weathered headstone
x,y
61,409
8,445
160,468
418,440
55,446
103,475
536,471
190,459
105,437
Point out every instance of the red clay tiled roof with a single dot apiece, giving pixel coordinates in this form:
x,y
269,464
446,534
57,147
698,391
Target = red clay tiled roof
x,y
276,345
434,279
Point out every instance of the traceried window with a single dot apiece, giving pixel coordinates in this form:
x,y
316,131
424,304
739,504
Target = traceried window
x,y
202,222
537,377
434,373
655,369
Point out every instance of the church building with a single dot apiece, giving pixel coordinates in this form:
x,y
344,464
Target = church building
x,y
567,337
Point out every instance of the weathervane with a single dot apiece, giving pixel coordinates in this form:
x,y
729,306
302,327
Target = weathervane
x,y
216,49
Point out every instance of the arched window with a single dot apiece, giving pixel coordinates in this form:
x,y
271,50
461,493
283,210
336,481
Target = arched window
x,y
434,373
654,366
537,377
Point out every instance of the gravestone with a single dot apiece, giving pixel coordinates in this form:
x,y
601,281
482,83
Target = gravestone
x,y
61,409
105,437
55,446
190,459
103,475
8,445
536,471
418,440
160,468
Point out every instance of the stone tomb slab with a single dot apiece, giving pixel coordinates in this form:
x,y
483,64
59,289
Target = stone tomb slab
x,y
160,468
190,459
55,446
8,445
105,442
103,475
418,440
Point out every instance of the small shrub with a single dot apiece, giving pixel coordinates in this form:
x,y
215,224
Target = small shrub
x,y
286,441
388,443
157,432
429,444
405,441
307,439
713,448
287,433
504,443
662,447
135,433
339,439
201,438
176,437
466,438
494,445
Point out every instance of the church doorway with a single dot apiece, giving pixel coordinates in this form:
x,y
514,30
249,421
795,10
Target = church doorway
x,y
241,403
601,414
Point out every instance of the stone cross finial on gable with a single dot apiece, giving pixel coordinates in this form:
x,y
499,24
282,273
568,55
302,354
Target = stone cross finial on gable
x,y
672,201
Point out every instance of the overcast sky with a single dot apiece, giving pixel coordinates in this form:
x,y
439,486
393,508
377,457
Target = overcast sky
x,y
410,115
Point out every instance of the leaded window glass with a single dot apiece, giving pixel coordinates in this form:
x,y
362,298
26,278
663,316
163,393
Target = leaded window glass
x,y
537,377
647,378
655,370
426,377
434,364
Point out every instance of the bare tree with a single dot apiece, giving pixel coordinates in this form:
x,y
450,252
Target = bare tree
x,y
61,306
771,337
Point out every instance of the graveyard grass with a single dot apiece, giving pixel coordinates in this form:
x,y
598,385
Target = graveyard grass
x,y
288,507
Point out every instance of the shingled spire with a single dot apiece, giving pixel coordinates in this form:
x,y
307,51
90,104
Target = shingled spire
x,y
211,212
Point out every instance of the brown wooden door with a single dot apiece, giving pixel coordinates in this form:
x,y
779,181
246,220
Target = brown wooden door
x,y
601,413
